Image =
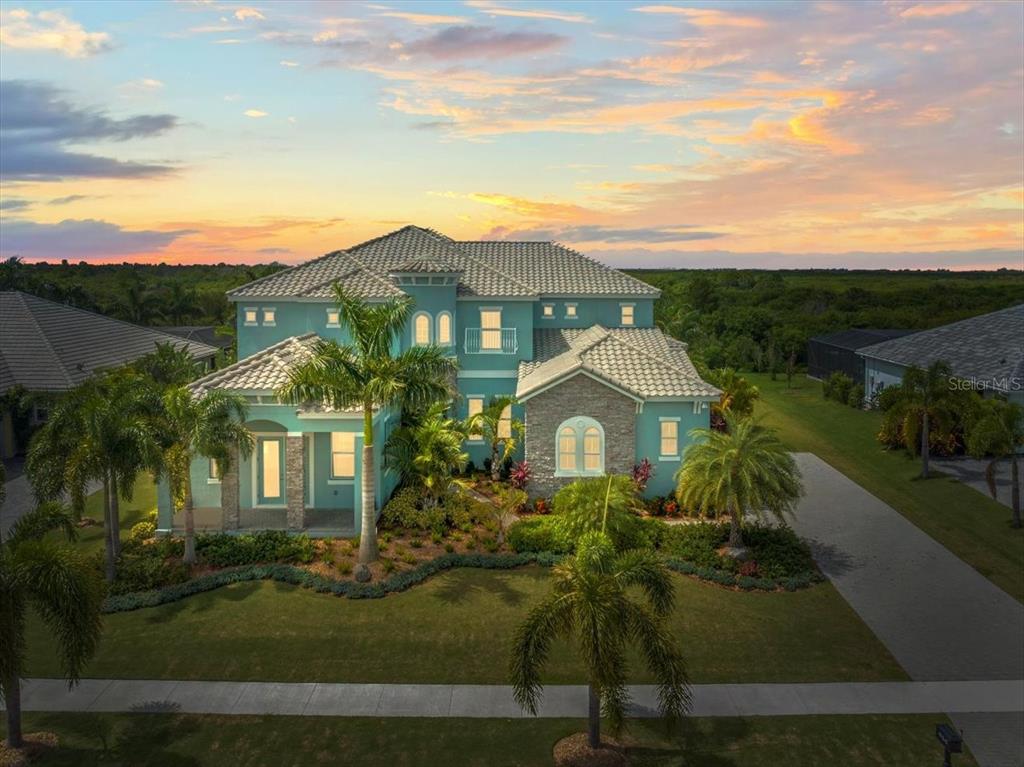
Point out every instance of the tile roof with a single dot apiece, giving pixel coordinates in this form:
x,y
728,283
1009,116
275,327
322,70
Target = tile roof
x,y
425,266
989,347
265,371
46,346
488,269
642,361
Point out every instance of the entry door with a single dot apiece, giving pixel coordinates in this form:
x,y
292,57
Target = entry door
x,y
270,471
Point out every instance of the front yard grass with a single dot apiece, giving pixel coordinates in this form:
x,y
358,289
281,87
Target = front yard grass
x,y
968,523
169,739
457,628
136,510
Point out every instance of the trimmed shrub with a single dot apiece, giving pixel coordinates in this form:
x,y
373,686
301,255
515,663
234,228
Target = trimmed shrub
x,y
142,531
537,534
837,387
856,396
223,550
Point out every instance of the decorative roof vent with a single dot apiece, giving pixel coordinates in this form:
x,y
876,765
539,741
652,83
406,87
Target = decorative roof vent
x,y
425,271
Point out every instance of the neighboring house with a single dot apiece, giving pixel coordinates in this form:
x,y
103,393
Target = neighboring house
x,y
204,334
985,352
599,387
837,352
48,348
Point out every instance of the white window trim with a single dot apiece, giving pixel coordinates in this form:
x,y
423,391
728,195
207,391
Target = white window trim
x,y
272,323
674,456
544,314
210,479
333,324
245,314
579,424
331,479
451,329
254,462
430,328
622,320
575,312
477,440
501,319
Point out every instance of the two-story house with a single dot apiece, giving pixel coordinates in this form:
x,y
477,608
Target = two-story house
x,y
599,388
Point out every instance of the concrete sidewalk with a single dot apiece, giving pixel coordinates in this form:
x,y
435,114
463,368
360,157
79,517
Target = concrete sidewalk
x,y
496,701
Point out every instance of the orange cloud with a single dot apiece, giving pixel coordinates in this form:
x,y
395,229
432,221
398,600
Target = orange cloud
x,y
934,10
706,17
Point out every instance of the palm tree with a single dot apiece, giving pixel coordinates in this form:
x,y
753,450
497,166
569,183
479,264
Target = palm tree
x,y
368,374
738,395
593,601
501,438
167,366
63,588
428,451
998,433
740,471
926,395
510,501
597,503
103,431
207,425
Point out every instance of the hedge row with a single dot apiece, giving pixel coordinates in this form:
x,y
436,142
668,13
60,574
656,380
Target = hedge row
x,y
284,573
744,582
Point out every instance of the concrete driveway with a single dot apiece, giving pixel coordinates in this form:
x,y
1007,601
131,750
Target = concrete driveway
x,y
971,471
940,618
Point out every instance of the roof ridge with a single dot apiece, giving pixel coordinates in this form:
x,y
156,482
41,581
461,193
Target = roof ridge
x,y
42,334
292,268
210,379
664,362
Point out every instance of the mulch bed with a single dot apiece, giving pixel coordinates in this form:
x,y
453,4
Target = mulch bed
x,y
575,751
36,744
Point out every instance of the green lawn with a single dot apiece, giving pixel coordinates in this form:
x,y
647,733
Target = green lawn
x,y
968,523
133,511
456,628
183,740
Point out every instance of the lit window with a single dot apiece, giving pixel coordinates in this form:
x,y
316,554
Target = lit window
x,y
343,454
250,316
269,316
570,311
669,438
627,314
505,423
444,329
214,470
475,405
490,329
333,318
421,329
549,311
567,449
591,449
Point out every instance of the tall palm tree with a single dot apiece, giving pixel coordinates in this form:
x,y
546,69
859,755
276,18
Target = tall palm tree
x,y
738,395
207,425
593,602
502,440
63,588
102,431
998,433
167,366
926,395
367,373
427,452
740,471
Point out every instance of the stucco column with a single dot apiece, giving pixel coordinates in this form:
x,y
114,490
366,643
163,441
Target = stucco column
x,y
294,480
229,491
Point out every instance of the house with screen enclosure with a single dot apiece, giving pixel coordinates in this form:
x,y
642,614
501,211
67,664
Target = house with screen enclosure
x,y
598,386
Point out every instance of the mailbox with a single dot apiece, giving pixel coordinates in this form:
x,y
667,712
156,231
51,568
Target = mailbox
x,y
949,738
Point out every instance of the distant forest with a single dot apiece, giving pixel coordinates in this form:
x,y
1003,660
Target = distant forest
x,y
746,319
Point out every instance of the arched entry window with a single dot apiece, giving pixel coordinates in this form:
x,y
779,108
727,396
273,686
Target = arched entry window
x,y
579,447
421,329
444,329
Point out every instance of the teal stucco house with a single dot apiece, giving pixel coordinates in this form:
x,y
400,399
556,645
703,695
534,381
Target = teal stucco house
x,y
599,387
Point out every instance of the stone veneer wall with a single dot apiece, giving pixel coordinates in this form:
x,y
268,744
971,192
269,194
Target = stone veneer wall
x,y
577,396
294,481
229,491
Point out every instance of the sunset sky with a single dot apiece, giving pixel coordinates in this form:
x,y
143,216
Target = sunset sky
x,y
769,134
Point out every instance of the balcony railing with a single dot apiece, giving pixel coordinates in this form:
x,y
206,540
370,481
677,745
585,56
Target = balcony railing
x,y
491,341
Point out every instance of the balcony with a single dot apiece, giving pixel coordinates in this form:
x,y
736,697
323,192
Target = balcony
x,y
491,341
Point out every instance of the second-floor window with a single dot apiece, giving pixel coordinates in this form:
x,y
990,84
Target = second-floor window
x,y
548,311
421,329
250,316
333,318
570,311
444,329
343,455
270,316
490,329
627,313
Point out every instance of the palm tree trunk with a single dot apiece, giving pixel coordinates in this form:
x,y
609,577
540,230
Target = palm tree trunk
x,y
190,523
495,468
1015,485
115,515
735,529
12,701
924,446
368,533
108,535
594,718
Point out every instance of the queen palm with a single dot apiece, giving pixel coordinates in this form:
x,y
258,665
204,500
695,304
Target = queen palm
x,y
925,396
594,602
738,394
368,373
62,587
997,433
500,435
743,470
210,425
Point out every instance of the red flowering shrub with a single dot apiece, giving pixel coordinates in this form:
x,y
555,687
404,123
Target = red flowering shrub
x,y
642,473
749,568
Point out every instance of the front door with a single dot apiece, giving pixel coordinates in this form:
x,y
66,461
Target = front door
x,y
270,471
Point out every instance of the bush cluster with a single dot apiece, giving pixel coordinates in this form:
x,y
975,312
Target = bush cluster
x,y
406,510
225,550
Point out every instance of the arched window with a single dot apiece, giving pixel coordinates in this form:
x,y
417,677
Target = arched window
x,y
444,329
421,329
580,447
